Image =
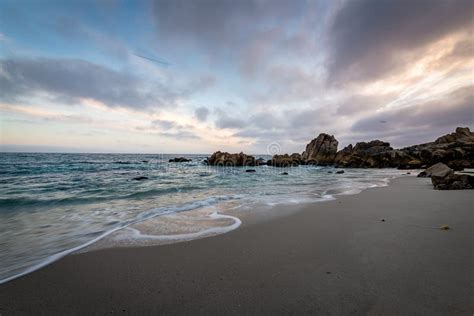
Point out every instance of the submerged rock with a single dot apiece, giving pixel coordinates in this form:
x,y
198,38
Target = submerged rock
x,y
141,178
284,173
340,172
250,170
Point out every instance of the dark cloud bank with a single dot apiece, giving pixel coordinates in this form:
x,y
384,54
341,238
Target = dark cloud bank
x,y
368,36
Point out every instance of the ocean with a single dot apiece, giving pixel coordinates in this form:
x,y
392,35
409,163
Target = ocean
x,y
54,204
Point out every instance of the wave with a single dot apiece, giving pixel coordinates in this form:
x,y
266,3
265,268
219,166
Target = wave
x,y
17,202
142,217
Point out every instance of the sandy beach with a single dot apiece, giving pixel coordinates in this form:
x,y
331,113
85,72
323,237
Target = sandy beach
x,y
379,252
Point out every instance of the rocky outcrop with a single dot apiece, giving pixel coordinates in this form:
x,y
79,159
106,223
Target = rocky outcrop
x,y
459,134
285,160
374,154
180,159
321,150
231,160
455,150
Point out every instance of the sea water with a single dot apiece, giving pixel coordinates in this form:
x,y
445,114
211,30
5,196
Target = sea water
x,y
53,204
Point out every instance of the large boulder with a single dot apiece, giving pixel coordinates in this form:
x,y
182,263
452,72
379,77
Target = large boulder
x,y
453,181
231,160
439,169
321,150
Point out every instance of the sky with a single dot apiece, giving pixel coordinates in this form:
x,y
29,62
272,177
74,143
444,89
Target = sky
x,y
197,76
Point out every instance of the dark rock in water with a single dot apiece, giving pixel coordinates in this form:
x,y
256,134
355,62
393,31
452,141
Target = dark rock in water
x,y
250,170
284,173
285,160
321,150
225,159
329,171
123,162
140,178
180,159
145,161
340,172
439,169
408,173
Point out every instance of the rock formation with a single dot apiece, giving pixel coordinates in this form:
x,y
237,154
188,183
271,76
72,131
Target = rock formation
x,y
285,160
439,169
231,160
444,178
455,149
321,150
374,154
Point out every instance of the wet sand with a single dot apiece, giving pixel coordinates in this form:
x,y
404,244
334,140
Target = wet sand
x,y
335,257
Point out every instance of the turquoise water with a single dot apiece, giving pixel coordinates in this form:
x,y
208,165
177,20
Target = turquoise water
x,y
52,203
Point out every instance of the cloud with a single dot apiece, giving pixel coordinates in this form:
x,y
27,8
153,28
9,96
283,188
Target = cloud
x,y
75,79
201,113
409,126
226,22
180,135
369,38
164,124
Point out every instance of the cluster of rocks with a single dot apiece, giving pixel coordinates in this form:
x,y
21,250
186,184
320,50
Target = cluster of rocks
x,y
456,150
445,178
232,160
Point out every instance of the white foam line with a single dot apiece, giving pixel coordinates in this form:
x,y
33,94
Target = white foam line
x,y
64,253
189,236
57,256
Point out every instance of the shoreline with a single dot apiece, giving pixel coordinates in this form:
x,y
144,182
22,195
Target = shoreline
x,y
101,242
251,269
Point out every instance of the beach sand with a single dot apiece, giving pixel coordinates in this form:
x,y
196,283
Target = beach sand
x,y
335,257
